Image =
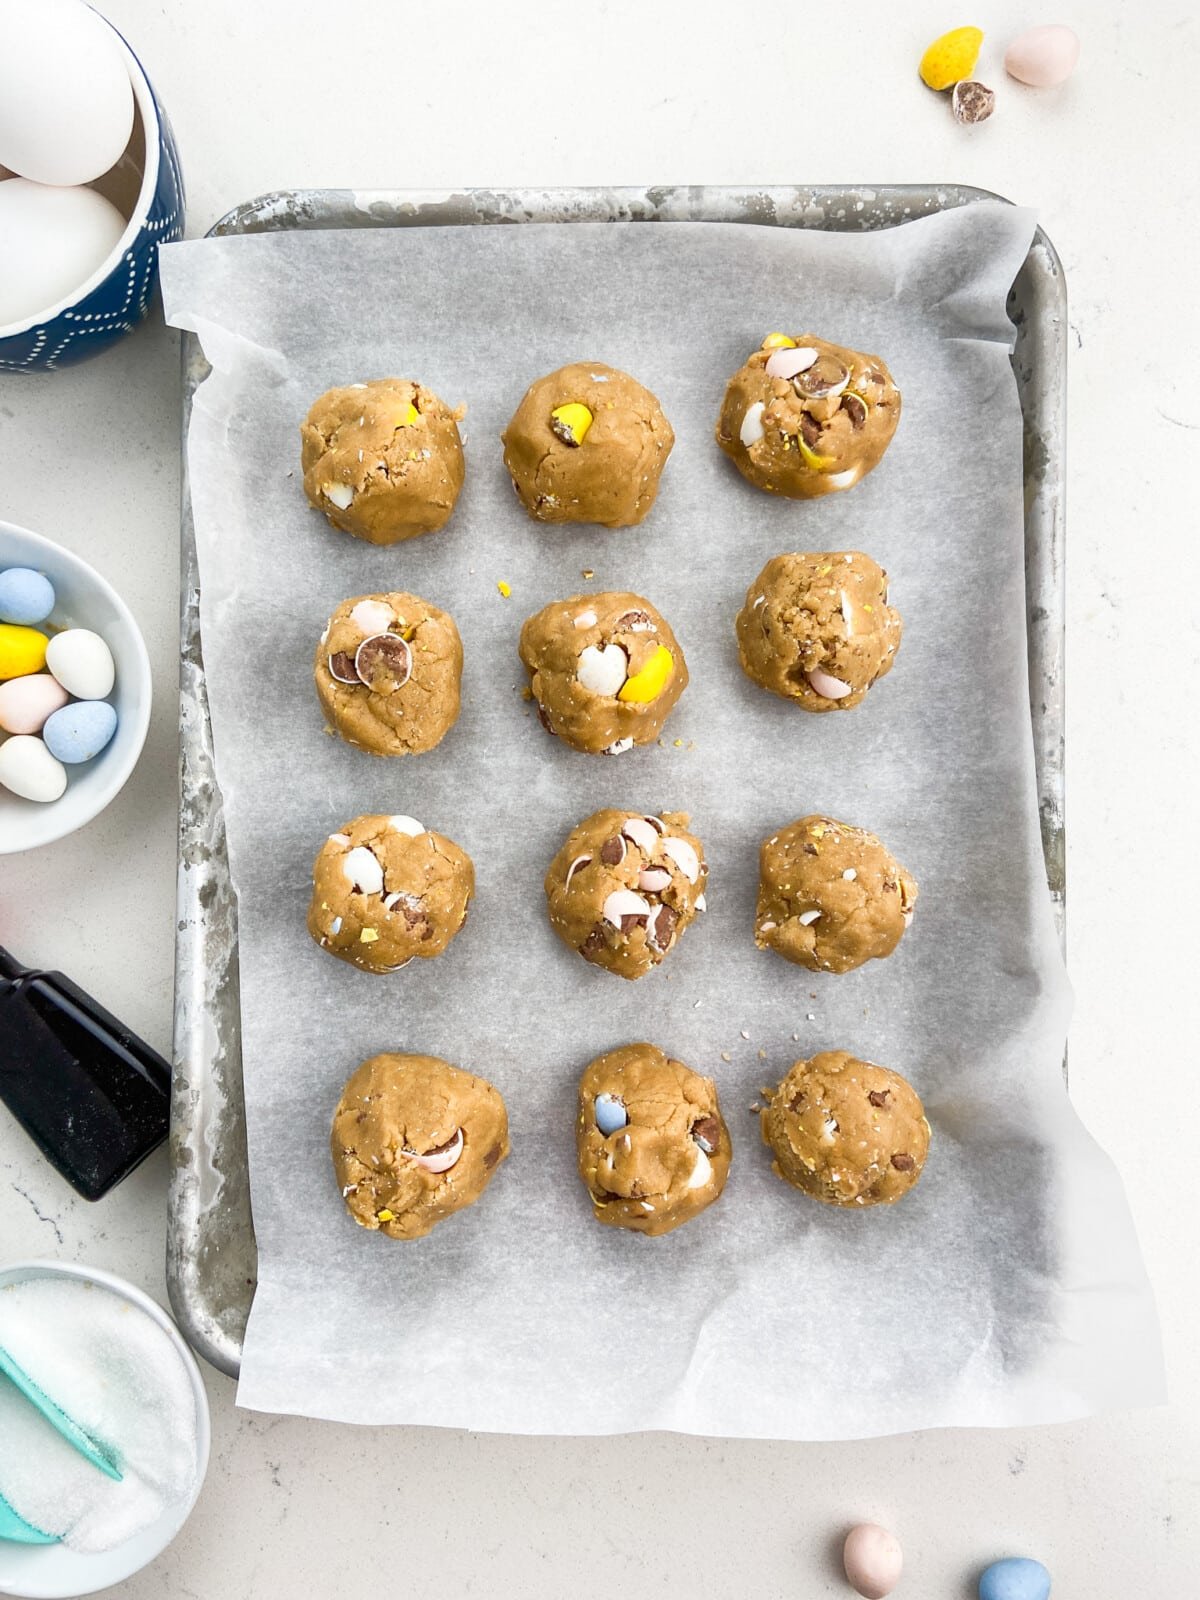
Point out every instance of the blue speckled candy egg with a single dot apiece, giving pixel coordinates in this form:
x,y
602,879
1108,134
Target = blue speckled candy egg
x,y
80,731
610,1114
1015,1578
26,596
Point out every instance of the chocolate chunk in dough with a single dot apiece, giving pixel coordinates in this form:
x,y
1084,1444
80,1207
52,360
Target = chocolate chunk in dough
x,y
624,887
653,1147
804,417
414,1140
830,896
587,444
845,1131
385,889
383,460
817,629
605,670
387,670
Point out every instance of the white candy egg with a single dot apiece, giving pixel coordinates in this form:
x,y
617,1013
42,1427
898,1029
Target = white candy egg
x,y
27,768
82,663
66,103
54,240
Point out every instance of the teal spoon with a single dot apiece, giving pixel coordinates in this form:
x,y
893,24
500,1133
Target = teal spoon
x,y
12,1525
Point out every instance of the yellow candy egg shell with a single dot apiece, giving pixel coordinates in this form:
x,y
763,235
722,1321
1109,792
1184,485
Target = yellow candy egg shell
x,y
951,58
650,682
22,650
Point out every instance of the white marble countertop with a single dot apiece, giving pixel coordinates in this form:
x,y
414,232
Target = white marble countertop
x,y
365,94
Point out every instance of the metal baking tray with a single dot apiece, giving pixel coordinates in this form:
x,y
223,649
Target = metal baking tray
x,y
211,1254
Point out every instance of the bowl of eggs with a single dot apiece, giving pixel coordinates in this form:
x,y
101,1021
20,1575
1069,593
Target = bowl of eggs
x,y
89,185
74,691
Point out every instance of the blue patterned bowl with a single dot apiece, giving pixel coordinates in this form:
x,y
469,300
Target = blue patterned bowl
x,y
146,186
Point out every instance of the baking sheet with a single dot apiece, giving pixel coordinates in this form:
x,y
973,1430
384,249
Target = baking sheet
x,y
977,1299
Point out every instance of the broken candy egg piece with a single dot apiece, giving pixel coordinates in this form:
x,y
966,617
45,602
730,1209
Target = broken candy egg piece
x,y
618,747
383,662
824,683
752,430
576,866
602,669
855,408
684,857
824,377
341,668
340,839
654,879
408,417
585,619
624,903
363,871
340,495
811,458
972,102
408,825
788,362
701,902
441,1159
778,341
807,918
950,58
372,616
650,682
660,926
610,1113
643,833
701,1170
1043,57
570,423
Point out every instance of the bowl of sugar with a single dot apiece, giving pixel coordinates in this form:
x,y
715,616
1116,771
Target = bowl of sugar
x,y
113,1360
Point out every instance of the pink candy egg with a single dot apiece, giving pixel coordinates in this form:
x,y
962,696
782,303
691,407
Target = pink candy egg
x,y
1043,57
25,703
873,1560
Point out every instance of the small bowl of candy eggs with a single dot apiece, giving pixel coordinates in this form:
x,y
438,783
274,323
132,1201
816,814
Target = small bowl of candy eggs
x,y
74,691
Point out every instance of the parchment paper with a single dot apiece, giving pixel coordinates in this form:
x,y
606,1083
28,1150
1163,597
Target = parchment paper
x,y
1008,1286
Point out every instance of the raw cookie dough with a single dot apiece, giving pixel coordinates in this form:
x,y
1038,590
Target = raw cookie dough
x,y
624,887
382,460
415,1140
605,670
653,1147
846,1131
587,444
385,889
805,417
830,896
817,629
387,670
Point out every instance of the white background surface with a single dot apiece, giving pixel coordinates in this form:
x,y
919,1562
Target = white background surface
x,y
283,92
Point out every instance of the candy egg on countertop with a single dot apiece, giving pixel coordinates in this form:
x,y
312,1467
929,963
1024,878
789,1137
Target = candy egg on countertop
x,y
66,102
54,240
25,703
27,768
22,650
1043,57
1015,1578
26,596
82,663
80,731
873,1560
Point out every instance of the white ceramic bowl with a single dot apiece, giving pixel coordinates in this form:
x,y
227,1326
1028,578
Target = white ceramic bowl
x,y
51,1571
84,600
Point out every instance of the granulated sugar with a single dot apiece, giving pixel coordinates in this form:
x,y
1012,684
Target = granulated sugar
x,y
112,1369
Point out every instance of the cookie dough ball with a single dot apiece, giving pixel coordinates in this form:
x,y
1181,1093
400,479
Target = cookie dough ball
x,y
382,460
605,670
414,1140
385,889
624,887
805,417
846,1131
387,670
587,444
653,1147
830,896
817,629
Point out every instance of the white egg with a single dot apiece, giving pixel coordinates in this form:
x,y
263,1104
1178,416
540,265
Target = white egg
x,y
54,239
82,663
66,103
27,768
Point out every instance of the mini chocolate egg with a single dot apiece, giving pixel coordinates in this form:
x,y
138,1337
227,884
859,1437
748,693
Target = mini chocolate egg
x,y
26,596
22,650
80,731
873,1560
82,663
1043,57
1015,1578
27,768
25,703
